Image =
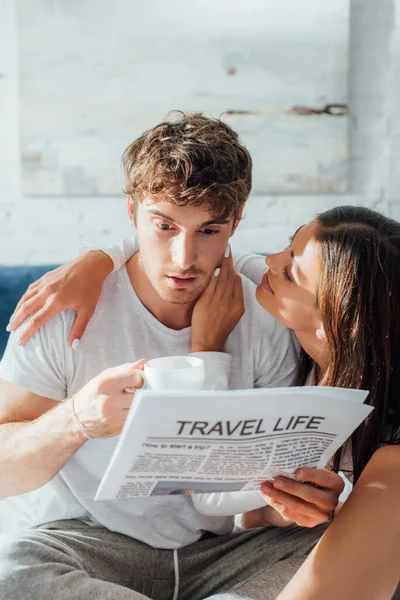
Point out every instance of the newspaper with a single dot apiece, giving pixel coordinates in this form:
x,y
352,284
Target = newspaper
x,y
205,442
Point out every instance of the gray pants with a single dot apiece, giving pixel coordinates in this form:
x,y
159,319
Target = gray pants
x,y
67,560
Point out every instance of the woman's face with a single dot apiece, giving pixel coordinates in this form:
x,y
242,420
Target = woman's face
x,y
288,290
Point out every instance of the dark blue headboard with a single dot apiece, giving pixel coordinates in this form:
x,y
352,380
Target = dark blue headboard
x,y
13,283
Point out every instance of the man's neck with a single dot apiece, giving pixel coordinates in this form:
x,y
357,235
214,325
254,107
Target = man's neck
x,y
173,316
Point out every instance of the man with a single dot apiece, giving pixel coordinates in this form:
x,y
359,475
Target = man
x,y
60,409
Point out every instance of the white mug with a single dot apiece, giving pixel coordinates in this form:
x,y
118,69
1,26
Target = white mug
x,y
173,373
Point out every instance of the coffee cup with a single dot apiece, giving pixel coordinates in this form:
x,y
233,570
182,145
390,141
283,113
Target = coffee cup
x,y
173,373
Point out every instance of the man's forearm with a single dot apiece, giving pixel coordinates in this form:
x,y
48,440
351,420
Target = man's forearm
x,y
33,452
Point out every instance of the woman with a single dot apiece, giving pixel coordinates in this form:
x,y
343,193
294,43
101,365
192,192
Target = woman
x,y
337,286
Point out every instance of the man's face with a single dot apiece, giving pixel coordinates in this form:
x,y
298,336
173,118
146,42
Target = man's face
x,y
180,247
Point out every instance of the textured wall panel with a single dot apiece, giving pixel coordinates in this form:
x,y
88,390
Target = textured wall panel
x,y
95,74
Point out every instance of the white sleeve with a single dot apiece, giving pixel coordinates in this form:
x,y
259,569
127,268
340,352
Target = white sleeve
x,y
43,365
227,504
120,253
251,266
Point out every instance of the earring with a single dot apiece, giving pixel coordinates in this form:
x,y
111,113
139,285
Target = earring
x,y
321,335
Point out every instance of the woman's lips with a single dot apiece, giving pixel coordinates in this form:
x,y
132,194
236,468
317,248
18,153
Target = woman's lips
x,y
266,285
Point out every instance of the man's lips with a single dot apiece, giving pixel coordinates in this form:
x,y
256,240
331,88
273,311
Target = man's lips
x,y
266,285
181,282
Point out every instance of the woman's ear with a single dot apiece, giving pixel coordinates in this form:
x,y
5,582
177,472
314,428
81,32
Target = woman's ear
x,y
320,333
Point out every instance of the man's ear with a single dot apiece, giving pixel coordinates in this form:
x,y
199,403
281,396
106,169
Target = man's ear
x,y
237,220
320,333
131,210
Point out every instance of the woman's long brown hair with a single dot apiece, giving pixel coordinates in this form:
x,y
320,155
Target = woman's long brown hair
x,y
359,303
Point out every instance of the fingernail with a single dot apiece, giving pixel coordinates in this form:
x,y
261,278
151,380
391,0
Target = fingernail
x,y
8,328
227,251
18,341
300,474
75,344
266,486
217,271
278,483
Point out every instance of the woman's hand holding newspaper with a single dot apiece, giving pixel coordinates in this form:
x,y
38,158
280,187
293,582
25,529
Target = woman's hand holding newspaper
x,y
307,501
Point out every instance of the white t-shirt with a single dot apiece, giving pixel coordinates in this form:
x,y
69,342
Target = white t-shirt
x,y
123,330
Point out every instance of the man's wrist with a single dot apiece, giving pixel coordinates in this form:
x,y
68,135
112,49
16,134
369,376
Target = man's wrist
x,y
71,424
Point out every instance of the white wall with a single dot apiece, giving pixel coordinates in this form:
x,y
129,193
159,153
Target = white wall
x,y
37,230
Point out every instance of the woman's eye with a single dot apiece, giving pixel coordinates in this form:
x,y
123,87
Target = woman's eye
x,y
285,272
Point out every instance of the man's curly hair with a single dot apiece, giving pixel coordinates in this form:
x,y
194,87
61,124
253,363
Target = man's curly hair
x,y
193,160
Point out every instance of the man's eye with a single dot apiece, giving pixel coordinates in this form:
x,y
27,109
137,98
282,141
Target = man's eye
x,y
210,231
163,226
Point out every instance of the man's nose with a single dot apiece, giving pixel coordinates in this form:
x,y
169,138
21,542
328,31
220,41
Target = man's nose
x,y
183,252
